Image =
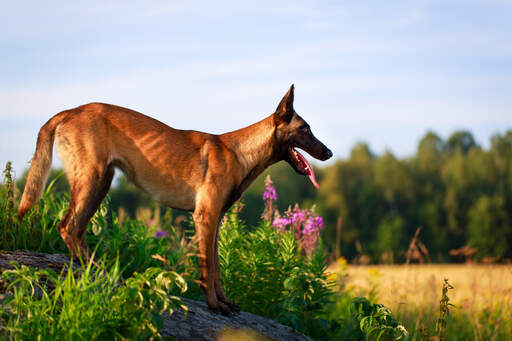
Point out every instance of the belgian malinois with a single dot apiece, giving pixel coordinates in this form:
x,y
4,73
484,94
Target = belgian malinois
x,y
182,169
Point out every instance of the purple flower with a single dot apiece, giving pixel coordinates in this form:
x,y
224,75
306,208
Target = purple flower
x,y
309,242
160,234
298,216
281,222
270,191
269,195
318,222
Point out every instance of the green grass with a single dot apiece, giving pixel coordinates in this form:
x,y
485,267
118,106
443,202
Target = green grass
x,y
263,270
88,304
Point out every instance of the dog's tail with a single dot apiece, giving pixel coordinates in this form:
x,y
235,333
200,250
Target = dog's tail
x,y
40,165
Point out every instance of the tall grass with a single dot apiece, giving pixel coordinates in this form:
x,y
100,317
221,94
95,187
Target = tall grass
x,y
480,301
263,270
38,230
89,304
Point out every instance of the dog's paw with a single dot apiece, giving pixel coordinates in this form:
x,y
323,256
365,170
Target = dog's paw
x,y
233,306
221,308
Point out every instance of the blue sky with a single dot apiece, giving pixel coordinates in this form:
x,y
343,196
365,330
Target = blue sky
x,y
383,72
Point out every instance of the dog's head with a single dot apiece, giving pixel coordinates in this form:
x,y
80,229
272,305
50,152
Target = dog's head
x,y
293,132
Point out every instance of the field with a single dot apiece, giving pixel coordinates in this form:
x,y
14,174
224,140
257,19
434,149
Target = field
x,y
481,295
275,269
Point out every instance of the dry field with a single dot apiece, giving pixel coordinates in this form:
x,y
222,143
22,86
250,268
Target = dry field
x,y
475,286
482,294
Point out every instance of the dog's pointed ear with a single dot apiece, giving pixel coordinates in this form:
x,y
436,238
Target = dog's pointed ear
x,y
285,110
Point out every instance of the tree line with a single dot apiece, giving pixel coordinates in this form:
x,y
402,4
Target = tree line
x,y
457,191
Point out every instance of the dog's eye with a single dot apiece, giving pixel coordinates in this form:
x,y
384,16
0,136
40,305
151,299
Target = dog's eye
x,y
306,130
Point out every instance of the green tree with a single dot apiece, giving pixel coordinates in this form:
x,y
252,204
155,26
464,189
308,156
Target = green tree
x,y
390,238
489,228
460,141
429,194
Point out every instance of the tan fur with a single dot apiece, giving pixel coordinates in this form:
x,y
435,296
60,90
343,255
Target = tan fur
x,y
40,166
189,170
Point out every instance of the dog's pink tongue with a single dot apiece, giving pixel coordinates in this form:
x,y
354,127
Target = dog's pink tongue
x,y
309,169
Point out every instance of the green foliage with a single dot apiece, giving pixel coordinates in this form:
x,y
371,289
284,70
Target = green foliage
x,y
263,271
38,230
87,304
376,321
460,141
137,249
489,228
389,236
436,189
265,274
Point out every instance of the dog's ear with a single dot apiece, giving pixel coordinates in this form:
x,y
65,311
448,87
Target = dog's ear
x,y
285,110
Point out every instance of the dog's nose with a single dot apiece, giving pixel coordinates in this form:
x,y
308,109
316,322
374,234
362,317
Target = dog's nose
x,y
329,153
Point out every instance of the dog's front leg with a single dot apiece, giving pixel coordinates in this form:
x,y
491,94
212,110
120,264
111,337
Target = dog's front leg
x,y
205,220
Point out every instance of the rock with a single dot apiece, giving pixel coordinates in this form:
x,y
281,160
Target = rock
x,y
33,259
200,324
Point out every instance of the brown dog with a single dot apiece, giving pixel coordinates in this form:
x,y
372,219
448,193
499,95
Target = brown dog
x,y
182,169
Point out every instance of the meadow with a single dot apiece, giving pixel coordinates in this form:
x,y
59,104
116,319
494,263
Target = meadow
x,y
276,268
276,272
481,298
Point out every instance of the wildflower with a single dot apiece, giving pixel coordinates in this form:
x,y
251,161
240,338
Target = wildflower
x,y
160,234
269,195
281,222
298,216
270,191
305,224
309,242
311,232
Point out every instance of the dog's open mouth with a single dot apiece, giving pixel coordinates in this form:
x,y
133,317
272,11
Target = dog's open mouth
x,y
302,165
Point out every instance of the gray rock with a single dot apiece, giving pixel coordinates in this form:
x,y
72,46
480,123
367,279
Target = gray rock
x,y
201,324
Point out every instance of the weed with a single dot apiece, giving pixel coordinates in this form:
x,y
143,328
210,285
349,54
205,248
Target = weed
x,y
87,304
444,310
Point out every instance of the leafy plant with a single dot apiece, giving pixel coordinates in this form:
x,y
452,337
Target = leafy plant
x,y
376,321
88,303
38,230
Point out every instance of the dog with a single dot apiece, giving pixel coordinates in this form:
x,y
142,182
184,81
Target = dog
x,y
182,169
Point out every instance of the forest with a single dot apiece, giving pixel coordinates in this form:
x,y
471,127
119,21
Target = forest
x,y
458,192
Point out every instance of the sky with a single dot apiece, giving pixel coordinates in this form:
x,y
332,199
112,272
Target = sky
x,y
381,72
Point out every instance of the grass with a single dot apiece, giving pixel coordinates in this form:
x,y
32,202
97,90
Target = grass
x,y
263,269
481,297
86,304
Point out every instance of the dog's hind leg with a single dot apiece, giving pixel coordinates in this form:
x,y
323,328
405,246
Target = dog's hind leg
x,y
87,192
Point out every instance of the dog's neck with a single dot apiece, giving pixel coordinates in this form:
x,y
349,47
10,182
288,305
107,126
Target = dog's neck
x,y
254,146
